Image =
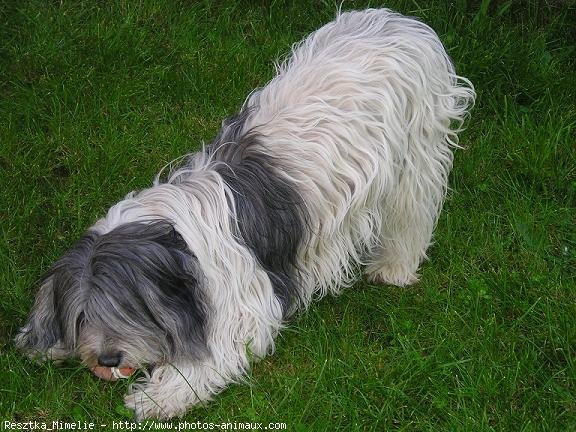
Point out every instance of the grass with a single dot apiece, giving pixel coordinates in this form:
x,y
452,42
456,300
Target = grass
x,y
97,96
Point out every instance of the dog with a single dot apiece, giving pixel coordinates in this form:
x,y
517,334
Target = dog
x,y
339,163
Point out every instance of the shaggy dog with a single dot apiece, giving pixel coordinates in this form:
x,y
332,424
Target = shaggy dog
x,y
340,162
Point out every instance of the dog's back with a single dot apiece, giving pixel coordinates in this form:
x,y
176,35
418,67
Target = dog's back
x,y
363,116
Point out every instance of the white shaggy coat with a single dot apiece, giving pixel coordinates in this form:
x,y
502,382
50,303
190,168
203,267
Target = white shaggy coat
x,y
362,119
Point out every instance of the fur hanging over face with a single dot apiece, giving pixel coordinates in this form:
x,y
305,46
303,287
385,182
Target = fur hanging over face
x,y
339,163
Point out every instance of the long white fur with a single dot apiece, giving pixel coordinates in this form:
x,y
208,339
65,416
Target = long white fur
x,y
362,118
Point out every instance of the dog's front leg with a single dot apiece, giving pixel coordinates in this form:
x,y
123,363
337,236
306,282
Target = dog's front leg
x,y
172,389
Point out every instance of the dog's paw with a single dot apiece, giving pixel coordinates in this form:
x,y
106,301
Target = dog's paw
x,y
156,397
392,274
150,402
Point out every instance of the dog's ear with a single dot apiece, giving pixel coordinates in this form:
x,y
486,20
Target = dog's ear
x,y
42,331
51,327
147,270
179,305
181,313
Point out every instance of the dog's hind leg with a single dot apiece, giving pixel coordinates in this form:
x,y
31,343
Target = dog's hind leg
x,y
409,217
435,104
413,200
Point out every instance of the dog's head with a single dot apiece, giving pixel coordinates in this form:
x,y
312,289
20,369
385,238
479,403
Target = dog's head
x,y
131,297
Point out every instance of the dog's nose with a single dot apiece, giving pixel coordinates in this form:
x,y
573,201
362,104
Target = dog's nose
x,y
109,359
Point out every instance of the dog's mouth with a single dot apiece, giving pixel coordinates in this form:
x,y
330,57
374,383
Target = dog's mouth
x,y
112,373
120,366
108,373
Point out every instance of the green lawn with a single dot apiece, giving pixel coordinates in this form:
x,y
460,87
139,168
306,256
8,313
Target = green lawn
x,y
95,97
